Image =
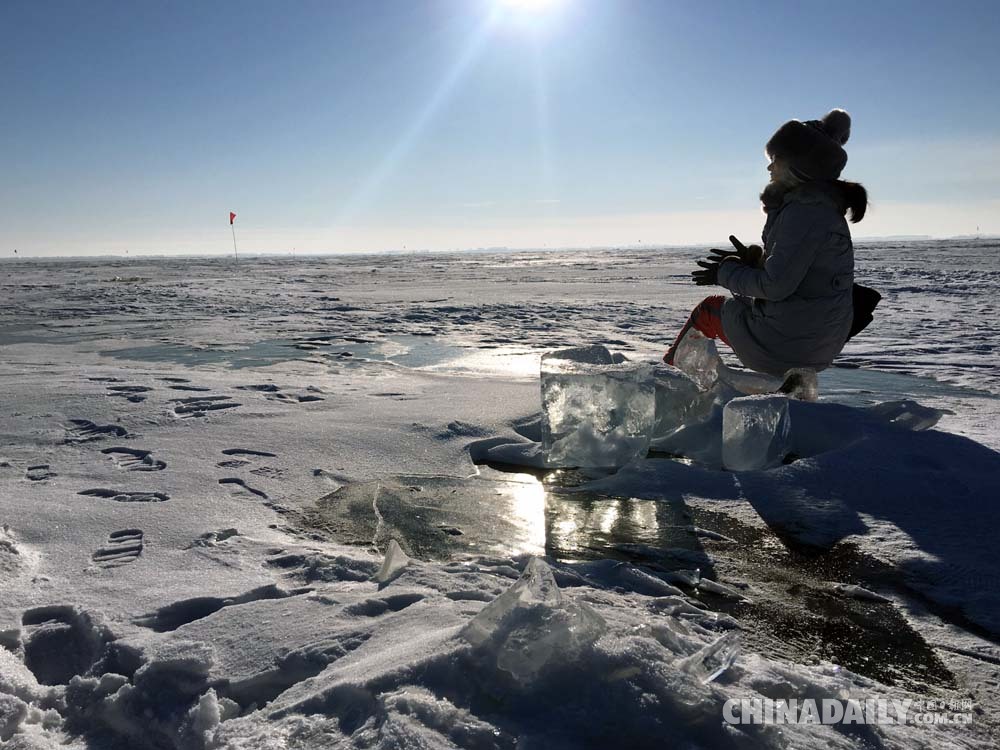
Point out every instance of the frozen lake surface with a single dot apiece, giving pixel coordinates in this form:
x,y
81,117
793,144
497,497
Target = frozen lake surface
x,y
494,314
204,463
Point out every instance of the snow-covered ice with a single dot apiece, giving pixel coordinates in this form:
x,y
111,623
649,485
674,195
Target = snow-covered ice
x,y
241,508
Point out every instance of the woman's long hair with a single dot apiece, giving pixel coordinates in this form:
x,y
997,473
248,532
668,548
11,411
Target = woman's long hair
x,y
853,198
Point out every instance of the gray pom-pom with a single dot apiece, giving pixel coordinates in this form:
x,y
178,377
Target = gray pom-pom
x,y
837,124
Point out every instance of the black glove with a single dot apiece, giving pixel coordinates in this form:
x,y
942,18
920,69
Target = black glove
x,y
708,277
749,255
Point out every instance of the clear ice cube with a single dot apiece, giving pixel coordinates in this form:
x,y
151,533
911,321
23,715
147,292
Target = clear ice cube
x,y
756,432
596,412
675,395
698,436
698,357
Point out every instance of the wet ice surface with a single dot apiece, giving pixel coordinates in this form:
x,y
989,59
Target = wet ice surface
x,y
796,612
205,468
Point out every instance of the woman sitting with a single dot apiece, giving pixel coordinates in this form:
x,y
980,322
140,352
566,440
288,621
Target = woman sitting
x,y
793,305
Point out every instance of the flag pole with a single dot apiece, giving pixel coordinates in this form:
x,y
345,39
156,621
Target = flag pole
x,y
232,226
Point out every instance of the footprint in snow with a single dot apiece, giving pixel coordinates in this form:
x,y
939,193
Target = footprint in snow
x,y
295,398
240,487
232,463
199,406
334,480
376,607
180,613
247,452
274,393
213,538
84,431
133,459
237,462
121,496
122,547
133,393
60,642
39,473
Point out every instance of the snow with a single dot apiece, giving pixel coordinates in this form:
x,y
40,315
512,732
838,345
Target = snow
x,y
242,509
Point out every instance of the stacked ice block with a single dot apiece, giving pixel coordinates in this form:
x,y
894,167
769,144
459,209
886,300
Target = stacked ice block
x,y
677,397
756,432
598,410
698,357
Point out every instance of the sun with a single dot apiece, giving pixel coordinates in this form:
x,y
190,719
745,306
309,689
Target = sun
x,y
528,6
529,14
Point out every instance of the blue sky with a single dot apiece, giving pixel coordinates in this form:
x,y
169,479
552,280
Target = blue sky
x,y
444,124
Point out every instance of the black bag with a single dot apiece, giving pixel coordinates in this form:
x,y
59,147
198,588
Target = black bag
x,y
865,302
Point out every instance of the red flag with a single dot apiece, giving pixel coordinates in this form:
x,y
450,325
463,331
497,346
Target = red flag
x,y
231,217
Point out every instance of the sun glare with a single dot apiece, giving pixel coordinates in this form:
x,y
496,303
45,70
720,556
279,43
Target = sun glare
x,y
528,15
528,6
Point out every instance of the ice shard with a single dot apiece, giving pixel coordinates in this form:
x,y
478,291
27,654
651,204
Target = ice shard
x,y
393,564
530,625
698,357
711,661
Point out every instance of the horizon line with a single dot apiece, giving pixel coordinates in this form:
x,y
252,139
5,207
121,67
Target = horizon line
x,y
491,249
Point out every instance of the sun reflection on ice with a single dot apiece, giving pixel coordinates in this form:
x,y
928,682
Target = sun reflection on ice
x,y
528,508
608,518
565,528
506,361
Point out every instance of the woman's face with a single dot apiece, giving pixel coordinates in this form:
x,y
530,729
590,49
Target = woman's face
x,y
780,173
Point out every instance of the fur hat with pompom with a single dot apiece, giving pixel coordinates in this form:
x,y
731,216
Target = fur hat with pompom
x,y
814,150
